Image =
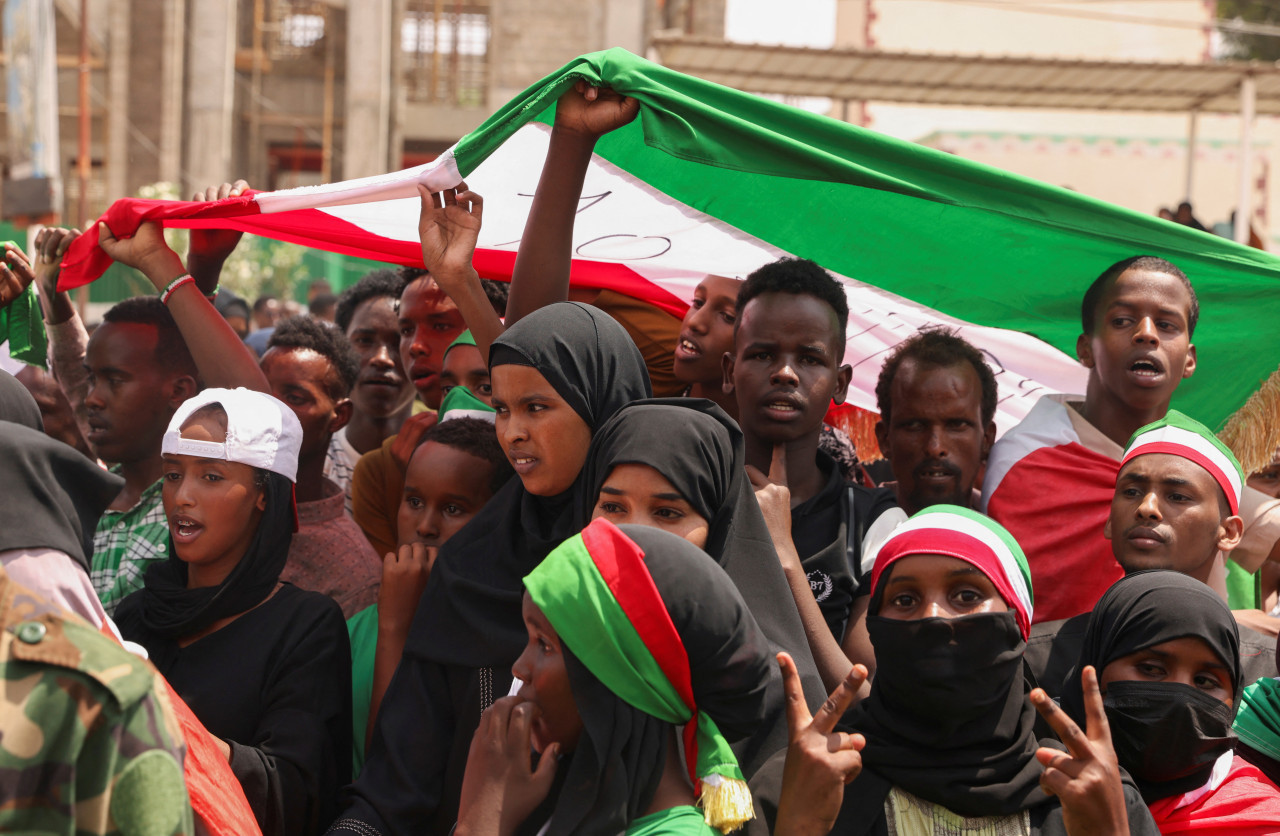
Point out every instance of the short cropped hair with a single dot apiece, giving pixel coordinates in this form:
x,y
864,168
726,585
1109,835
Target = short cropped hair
x,y
374,285
172,353
1150,263
936,348
303,332
496,292
261,302
475,437
799,277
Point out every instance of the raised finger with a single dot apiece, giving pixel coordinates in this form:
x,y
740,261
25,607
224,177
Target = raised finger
x,y
63,241
1095,714
778,465
476,201
432,553
239,187
839,700
1068,731
798,717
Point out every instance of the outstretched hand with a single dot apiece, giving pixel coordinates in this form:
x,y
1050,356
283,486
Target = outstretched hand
x,y
500,788
820,760
1086,779
410,435
448,228
592,112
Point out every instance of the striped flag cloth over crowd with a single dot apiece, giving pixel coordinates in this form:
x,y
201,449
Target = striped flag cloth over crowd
x,y
712,180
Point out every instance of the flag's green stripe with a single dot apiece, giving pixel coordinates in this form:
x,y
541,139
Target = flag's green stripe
x,y
971,241
571,593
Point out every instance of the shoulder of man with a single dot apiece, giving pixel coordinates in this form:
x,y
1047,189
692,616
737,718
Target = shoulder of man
x,y
33,634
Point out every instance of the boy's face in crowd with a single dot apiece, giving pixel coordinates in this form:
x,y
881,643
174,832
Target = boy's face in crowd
x,y
1267,480
546,684
213,506
638,494
131,396
935,437
463,366
937,586
1140,349
706,334
785,370
444,487
1169,513
1186,661
382,388
429,321
545,440
303,380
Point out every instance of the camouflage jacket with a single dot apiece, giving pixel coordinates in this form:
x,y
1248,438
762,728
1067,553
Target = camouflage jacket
x,y
88,742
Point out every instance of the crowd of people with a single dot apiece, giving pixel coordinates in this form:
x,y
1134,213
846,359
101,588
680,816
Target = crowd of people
x,y
477,558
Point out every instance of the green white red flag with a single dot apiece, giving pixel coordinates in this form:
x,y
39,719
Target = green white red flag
x,y
712,180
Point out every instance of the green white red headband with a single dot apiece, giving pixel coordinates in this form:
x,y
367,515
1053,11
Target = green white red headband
x,y
966,535
1178,435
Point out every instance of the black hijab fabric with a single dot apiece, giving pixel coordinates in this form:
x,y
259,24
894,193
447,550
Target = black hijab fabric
x,y
164,607
1146,609
612,775
16,403
469,614
698,448
53,495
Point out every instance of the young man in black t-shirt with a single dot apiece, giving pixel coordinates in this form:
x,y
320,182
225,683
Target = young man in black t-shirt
x,y
785,371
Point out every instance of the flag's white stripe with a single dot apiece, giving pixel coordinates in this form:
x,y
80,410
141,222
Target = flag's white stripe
x,y
627,221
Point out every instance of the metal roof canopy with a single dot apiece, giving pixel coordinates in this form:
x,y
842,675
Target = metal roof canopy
x,y
1243,88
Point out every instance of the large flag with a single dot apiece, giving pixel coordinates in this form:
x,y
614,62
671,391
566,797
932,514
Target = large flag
x,y
712,180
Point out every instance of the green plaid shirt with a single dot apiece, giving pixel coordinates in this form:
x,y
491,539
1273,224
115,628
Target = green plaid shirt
x,y
125,544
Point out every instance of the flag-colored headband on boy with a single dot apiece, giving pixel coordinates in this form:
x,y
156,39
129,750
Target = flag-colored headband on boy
x,y
1178,435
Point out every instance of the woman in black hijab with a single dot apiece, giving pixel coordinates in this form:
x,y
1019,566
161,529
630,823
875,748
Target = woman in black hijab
x,y
1167,652
661,642
695,447
557,374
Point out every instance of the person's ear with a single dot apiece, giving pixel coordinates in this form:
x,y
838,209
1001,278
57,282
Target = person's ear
x,y
727,364
1189,367
342,411
1084,350
988,439
844,374
882,436
261,504
1230,532
181,388
1106,528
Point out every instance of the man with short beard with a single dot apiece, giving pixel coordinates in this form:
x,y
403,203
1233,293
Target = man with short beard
x,y
937,401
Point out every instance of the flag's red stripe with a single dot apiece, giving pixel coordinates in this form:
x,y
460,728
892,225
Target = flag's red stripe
x,y
86,261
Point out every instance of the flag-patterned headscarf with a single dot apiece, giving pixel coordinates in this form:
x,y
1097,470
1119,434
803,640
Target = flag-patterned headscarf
x,y
655,634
